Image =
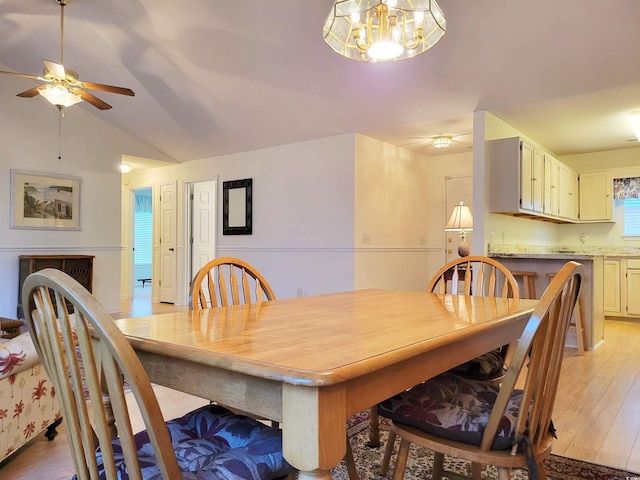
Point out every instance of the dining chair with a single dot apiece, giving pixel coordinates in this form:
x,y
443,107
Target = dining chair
x,y
90,361
470,275
487,424
232,281
228,281
485,277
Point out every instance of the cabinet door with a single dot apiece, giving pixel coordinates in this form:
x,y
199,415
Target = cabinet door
x,y
633,287
596,197
567,194
526,176
550,203
537,181
612,286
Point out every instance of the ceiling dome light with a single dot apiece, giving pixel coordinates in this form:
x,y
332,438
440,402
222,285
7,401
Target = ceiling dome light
x,y
124,168
441,141
378,30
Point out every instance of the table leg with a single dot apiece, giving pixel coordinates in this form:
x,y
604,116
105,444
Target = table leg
x,y
314,428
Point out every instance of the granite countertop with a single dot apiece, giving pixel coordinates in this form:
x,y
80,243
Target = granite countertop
x,y
561,252
548,256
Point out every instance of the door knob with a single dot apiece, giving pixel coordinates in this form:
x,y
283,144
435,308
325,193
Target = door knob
x,y
171,249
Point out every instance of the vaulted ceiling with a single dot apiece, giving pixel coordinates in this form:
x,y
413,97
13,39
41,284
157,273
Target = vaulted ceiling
x,y
214,77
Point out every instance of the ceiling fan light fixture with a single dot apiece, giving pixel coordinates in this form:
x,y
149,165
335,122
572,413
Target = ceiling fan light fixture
x,y
634,120
379,30
59,96
441,141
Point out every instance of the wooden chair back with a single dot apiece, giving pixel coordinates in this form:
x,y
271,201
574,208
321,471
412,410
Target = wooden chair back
x,y
475,275
540,350
228,281
87,357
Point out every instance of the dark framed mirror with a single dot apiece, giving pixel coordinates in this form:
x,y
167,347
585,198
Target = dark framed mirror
x,y
236,207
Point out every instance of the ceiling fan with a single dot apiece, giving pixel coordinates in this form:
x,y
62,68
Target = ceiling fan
x,y
63,87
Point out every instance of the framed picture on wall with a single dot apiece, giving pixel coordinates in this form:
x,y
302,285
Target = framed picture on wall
x,y
44,201
236,207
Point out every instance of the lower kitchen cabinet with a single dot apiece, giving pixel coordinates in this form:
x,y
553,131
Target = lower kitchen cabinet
x,y
612,287
622,290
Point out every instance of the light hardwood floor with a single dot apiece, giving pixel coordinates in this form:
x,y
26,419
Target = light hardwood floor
x,y
597,413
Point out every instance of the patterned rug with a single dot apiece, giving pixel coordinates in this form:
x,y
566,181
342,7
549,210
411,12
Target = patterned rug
x,y
420,461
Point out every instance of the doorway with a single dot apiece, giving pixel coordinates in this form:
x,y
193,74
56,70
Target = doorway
x,y
202,225
142,255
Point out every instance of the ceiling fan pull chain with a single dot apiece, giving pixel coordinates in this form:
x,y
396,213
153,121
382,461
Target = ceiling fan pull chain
x,y
60,115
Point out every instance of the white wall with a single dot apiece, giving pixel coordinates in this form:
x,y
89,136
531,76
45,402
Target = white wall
x,y
91,149
313,202
303,213
400,213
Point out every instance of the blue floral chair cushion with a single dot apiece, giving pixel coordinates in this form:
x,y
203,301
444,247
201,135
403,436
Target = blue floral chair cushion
x,y
454,408
213,443
487,366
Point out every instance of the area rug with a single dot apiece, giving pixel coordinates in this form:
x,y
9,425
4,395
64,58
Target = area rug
x,y
420,461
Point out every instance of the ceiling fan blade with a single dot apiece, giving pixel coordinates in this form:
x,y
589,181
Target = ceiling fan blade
x,y
55,69
32,92
108,88
90,98
24,75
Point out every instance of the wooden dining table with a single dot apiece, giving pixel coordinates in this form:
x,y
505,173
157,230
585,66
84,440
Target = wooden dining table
x,y
311,362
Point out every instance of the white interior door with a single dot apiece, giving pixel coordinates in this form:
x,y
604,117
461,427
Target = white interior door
x,y
203,224
168,224
458,189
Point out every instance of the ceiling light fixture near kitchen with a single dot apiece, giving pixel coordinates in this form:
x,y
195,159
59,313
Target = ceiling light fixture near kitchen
x,y
124,168
441,141
378,30
634,119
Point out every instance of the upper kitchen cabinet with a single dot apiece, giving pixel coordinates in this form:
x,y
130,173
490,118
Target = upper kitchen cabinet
x,y
517,180
568,193
516,177
551,186
526,181
596,196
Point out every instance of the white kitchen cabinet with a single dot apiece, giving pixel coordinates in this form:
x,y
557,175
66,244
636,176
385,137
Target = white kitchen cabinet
x,y
550,187
623,288
596,196
568,193
531,178
633,287
612,301
526,181
516,176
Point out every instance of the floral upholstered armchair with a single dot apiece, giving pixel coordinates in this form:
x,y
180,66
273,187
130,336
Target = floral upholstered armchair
x,y
27,398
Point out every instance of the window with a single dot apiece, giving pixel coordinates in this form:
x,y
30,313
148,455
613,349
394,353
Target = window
x,y
632,216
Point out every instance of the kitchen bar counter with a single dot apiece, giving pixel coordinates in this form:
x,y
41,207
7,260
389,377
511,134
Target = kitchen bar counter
x,y
592,295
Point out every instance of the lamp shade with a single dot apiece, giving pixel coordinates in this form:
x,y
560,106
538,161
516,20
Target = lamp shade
x,y
461,219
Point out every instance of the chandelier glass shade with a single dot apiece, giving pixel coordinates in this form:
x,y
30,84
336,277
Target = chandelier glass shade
x,y
378,30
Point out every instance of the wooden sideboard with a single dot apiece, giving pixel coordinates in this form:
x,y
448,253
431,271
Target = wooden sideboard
x,y
79,267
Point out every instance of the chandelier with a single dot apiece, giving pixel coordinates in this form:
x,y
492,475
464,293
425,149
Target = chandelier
x,y
377,30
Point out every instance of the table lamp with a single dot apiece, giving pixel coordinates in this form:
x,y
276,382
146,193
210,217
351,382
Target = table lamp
x,y
461,221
